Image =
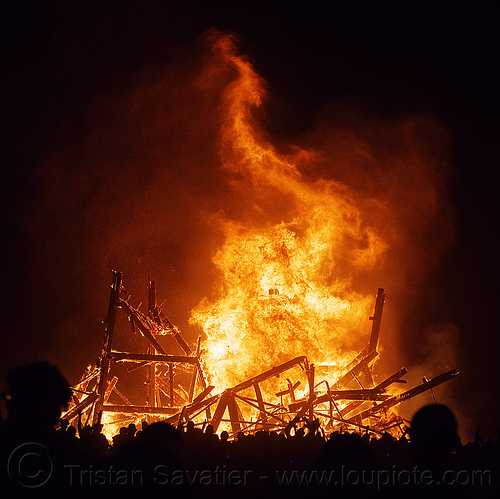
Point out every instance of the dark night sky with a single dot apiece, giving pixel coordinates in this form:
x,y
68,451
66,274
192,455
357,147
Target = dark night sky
x,y
401,60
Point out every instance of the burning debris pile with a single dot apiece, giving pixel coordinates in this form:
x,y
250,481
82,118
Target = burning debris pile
x,y
298,237
279,398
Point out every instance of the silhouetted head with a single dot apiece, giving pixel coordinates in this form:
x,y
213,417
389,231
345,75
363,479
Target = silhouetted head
x,y
164,436
85,432
36,394
433,434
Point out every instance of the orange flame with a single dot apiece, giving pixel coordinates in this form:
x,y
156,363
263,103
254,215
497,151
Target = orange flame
x,y
280,293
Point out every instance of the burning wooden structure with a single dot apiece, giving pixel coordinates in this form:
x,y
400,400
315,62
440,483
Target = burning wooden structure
x,y
352,401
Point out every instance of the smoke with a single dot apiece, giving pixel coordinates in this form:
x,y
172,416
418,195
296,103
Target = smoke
x,y
399,172
137,184
128,186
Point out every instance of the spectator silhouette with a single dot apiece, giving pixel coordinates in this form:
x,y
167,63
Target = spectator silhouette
x,y
36,395
38,392
433,436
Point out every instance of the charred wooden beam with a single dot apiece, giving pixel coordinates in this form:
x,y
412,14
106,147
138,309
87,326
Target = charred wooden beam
x,y
357,369
120,394
172,329
171,383
234,414
152,389
262,409
375,393
367,376
137,366
203,394
152,299
202,374
361,355
86,379
182,416
194,376
359,394
80,407
108,340
145,357
163,388
192,383
109,389
203,403
352,406
138,409
289,391
265,416
221,409
145,331
310,379
442,378
275,371
254,401
190,410
377,319
162,320
395,378
368,394
298,416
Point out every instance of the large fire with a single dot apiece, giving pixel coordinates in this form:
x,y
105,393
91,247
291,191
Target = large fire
x,y
280,293
286,327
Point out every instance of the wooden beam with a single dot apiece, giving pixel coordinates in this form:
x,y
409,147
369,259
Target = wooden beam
x,y
262,409
194,376
310,379
377,319
172,329
152,402
289,391
110,388
221,409
392,379
127,409
268,415
80,407
299,415
171,382
234,414
275,371
203,394
442,378
357,369
142,328
368,394
147,357
108,340
190,409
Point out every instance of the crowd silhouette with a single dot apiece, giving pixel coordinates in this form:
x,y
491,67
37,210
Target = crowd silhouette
x,y
43,456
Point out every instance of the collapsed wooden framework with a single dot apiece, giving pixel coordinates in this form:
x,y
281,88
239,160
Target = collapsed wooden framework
x,y
245,407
